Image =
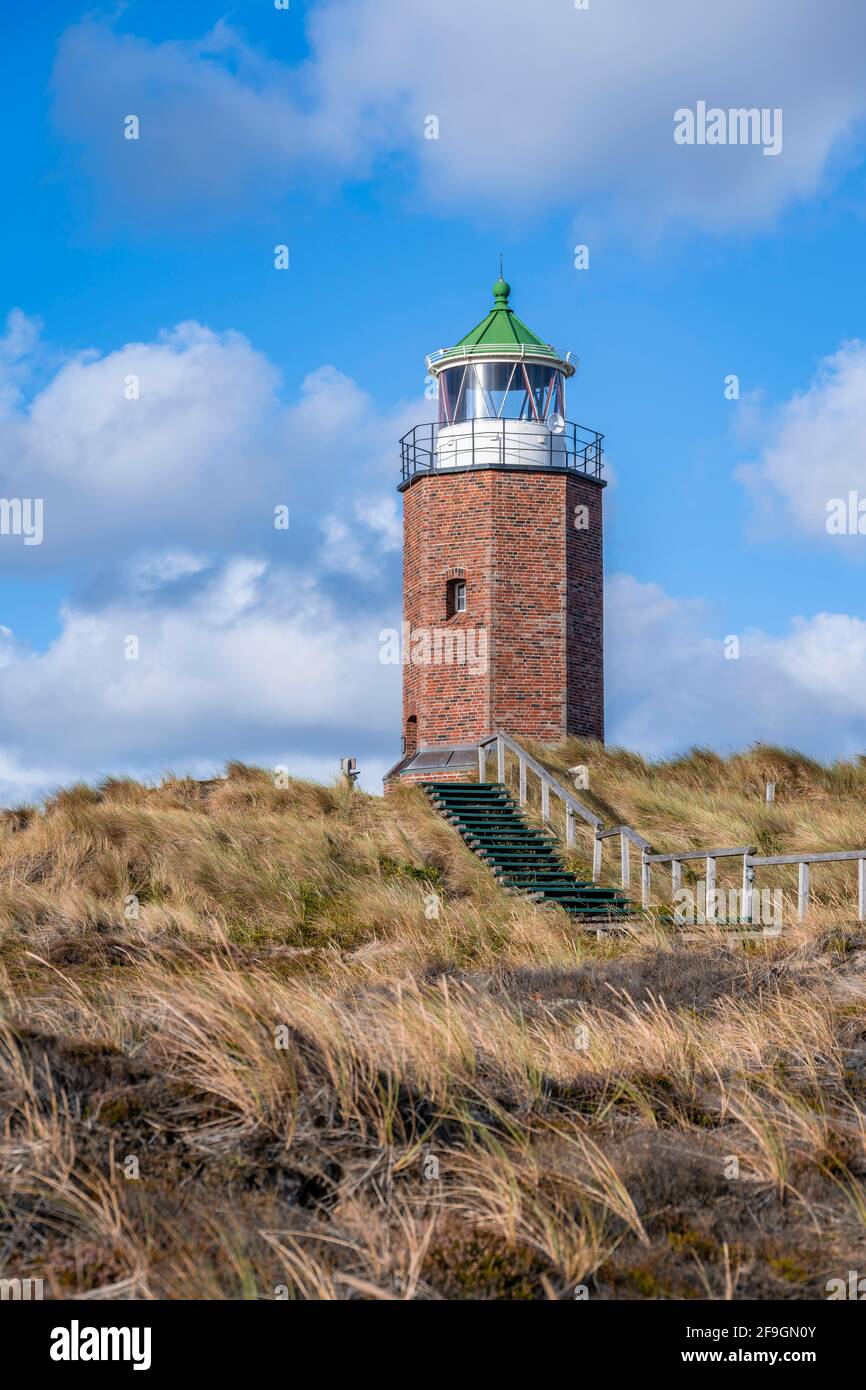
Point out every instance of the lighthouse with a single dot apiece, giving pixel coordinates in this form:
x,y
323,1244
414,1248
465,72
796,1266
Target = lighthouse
x,y
502,553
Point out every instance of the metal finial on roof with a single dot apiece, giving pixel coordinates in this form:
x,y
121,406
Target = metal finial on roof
x,y
501,290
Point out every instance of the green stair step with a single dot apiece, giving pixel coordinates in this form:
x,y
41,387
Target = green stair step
x,y
559,890
496,799
510,856
544,879
562,890
501,823
520,836
523,844
514,832
560,881
587,904
523,860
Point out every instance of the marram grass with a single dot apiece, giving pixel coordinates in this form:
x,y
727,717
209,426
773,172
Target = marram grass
x,y
262,1042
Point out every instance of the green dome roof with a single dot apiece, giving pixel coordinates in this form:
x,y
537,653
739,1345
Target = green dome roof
x,y
501,331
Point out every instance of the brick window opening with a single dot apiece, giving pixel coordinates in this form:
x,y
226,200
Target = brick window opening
x,y
410,738
455,597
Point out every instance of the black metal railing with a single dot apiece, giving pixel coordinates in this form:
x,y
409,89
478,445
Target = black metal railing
x,y
500,444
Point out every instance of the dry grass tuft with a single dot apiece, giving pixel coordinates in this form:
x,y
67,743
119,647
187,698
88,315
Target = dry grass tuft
x,y
295,1042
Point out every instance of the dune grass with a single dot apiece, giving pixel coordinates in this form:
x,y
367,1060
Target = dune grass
x,y
294,1042
703,801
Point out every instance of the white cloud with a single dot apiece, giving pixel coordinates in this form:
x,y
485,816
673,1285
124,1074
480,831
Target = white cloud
x,y
356,543
17,347
184,443
814,448
251,654
155,571
670,684
254,656
537,105
257,664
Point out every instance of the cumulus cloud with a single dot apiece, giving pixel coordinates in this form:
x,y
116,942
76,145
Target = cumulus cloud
x,y
813,451
245,649
159,507
671,684
537,106
18,346
355,544
256,664
185,442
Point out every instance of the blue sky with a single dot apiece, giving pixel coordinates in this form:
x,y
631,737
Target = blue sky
x,y
259,387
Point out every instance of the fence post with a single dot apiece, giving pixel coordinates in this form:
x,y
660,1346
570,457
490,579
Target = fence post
x,y
625,865
596,857
676,875
500,760
482,762
710,910
522,766
802,890
861,889
748,876
545,799
645,871
569,826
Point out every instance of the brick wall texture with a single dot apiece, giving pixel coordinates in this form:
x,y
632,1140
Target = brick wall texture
x,y
533,584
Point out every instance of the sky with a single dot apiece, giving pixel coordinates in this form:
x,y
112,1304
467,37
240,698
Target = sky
x,y
165,389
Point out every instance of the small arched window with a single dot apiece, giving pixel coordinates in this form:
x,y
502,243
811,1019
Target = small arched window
x,y
455,599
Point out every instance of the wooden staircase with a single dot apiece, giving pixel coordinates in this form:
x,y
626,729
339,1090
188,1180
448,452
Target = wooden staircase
x,y
523,859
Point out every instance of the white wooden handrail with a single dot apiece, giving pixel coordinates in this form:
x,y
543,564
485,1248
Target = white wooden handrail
x,y
676,859
549,784
627,837
803,861
750,861
629,834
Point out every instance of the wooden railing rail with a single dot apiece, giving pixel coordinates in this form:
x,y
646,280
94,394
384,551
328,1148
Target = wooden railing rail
x,y
550,786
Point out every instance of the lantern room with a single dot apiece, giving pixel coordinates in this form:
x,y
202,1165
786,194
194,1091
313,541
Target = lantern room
x,y
500,371
501,399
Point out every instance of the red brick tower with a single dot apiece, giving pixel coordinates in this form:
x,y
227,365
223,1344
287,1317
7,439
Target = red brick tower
x,y
502,558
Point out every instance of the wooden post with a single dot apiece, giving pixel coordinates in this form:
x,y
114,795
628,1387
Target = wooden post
x,y
625,865
710,911
545,799
770,793
748,876
500,760
645,878
482,762
596,857
861,890
569,826
522,766
802,890
676,875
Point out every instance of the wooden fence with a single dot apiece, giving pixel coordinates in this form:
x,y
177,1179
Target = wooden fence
x,y
550,787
